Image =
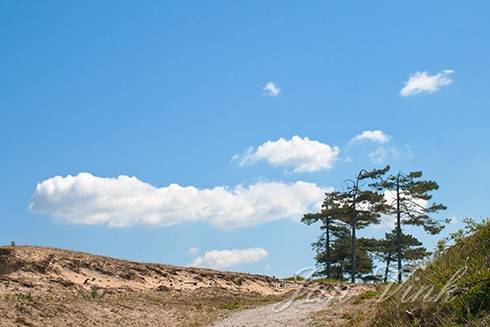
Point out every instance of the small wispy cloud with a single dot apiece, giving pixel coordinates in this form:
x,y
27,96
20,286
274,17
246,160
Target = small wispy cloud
x,y
192,252
271,89
376,136
421,82
384,154
299,154
219,259
381,154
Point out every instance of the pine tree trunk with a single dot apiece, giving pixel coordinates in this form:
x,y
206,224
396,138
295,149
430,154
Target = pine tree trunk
x,y
353,245
327,227
398,230
387,271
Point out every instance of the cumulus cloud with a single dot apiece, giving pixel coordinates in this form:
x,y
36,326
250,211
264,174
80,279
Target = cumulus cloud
x,y
270,89
298,154
127,201
226,258
376,136
423,82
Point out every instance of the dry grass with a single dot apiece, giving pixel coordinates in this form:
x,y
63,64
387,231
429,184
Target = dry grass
x,y
357,311
128,308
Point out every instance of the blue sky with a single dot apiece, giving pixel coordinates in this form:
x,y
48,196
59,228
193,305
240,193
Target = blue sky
x,y
169,92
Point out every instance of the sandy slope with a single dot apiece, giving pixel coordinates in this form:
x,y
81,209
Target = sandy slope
x,y
47,265
54,287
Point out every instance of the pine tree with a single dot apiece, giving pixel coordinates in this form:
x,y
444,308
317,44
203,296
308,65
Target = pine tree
x,y
333,229
361,206
410,206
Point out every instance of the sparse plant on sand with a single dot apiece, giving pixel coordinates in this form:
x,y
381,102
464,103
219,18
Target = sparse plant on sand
x,y
93,294
24,297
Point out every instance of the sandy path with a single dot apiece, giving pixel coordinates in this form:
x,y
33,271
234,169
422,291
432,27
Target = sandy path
x,y
297,314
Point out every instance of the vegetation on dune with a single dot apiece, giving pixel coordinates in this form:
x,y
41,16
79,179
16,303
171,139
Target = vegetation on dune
x,y
451,290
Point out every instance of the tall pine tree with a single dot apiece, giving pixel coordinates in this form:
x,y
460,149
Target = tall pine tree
x,y
361,206
410,205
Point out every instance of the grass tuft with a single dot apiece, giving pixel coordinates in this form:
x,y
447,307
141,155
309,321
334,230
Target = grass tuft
x,y
366,296
93,294
229,306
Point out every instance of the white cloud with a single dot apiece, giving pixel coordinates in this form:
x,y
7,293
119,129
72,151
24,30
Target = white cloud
x,y
298,154
376,136
271,89
126,201
423,82
192,251
381,154
226,258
